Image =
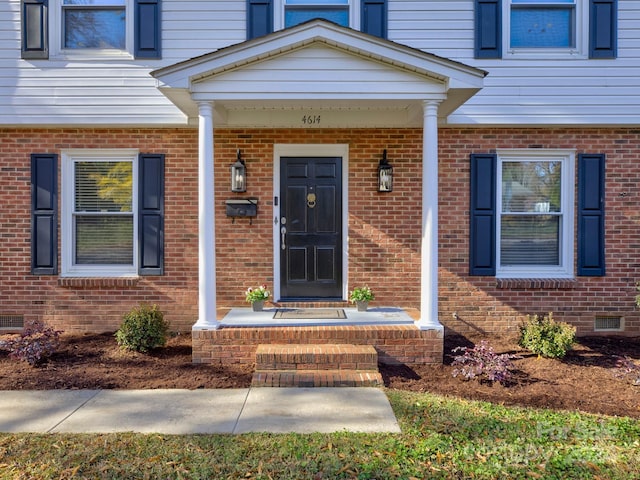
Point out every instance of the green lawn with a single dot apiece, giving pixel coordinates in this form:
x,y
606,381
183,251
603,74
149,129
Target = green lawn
x,y
442,438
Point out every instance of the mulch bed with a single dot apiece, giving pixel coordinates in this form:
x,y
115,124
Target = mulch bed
x,y
586,379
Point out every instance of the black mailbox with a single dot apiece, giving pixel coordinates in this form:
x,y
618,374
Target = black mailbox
x,y
242,207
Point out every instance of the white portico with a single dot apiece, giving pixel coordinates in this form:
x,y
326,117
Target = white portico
x,y
319,75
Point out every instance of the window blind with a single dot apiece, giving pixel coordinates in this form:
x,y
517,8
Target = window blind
x,y
103,213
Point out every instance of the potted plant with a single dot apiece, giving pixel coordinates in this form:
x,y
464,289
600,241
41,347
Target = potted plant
x,y
256,297
361,296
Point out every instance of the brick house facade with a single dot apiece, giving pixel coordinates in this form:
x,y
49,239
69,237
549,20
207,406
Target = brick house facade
x,y
384,229
514,160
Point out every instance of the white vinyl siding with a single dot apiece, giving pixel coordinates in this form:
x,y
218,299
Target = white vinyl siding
x,y
444,28
109,91
517,91
191,28
528,91
317,69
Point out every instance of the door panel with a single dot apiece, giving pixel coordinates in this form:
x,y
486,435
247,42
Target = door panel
x,y
297,264
325,263
326,196
311,214
296,209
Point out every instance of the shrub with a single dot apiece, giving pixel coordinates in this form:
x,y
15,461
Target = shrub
x,y
37,342
483,363
142,329
546,337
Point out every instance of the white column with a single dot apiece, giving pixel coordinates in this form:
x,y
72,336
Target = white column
x,y
206,222
429,248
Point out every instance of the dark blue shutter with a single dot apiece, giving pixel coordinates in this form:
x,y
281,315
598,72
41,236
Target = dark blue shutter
x,y
591,215
488,24
151,213
482,229
259,18
374,17
603,28
44,216
148,34
35,34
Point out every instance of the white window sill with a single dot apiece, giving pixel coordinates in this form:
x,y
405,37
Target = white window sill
x,y
87,55
544,55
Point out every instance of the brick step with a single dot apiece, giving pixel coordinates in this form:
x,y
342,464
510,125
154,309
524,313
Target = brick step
x,y
311,365
317,378
292,357
395,344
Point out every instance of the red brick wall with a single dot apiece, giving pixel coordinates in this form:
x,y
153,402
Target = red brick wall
x,y
93,304
479,304
384,229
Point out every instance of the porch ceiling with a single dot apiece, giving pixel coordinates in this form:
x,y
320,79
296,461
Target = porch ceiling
x,y
322,72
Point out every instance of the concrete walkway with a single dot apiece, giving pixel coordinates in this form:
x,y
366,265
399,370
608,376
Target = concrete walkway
x,y
279,410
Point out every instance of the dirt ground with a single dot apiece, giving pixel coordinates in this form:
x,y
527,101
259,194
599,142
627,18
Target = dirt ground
x,y
584,380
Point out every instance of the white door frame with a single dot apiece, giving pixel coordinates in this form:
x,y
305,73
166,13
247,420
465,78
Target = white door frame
x,y
310,150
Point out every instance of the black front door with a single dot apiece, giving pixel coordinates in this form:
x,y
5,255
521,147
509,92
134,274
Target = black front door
x,y
311,228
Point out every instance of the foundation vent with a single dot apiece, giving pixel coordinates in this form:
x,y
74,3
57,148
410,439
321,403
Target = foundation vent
x,y
11,322
608,323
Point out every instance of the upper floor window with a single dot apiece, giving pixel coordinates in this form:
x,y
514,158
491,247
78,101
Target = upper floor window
x,y
267,16
299,11
554,27
546,28
94,24
94,28
543,24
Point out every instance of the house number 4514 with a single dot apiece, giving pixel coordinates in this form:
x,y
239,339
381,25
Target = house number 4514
x,y
311,119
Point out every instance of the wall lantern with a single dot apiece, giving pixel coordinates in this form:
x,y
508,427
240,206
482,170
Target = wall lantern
x,y
238,175
385,175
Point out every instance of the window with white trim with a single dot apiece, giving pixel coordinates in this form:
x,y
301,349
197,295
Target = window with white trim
x,y
300,11
545,27
99,205
92,27
293,12
535,207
